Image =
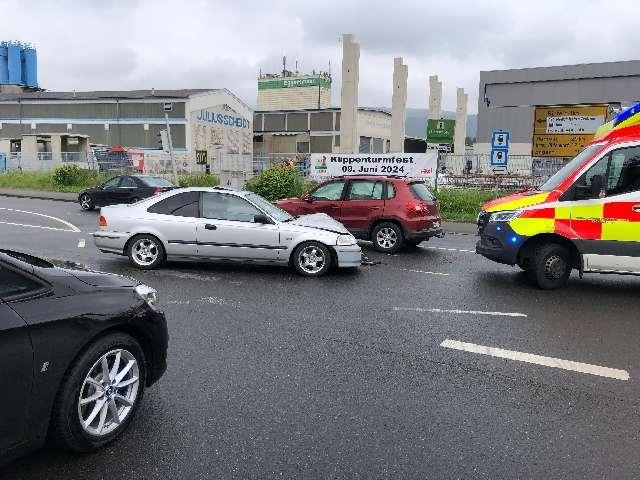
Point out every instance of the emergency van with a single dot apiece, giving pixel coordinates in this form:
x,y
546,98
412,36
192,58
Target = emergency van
x,y
585,217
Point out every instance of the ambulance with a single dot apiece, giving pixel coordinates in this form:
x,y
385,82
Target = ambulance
x,y
586,217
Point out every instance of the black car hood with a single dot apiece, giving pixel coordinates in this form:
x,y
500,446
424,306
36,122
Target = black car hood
x,y
93,277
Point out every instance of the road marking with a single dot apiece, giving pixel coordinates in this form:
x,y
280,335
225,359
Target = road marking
x,y
538,359
450,249
425,272
37,226
72,227
81,243
460,312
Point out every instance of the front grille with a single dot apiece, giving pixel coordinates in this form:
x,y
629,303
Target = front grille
x,y
483,221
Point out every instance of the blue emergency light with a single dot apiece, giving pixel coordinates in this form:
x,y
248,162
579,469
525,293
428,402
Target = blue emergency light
x,y
626,114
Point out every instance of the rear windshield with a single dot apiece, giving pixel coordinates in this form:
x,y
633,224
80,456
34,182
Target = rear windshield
x,y
157,182
30,259
421,192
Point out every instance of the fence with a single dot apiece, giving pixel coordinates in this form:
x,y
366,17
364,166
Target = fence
x,y
475,170
470,170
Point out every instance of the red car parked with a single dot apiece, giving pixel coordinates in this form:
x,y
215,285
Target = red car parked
x,y
389,211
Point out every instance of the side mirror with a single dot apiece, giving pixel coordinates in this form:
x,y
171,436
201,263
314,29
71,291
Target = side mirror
x,y
308,198
597,186
263,219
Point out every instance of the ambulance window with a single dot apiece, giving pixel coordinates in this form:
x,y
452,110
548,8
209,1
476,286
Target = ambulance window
x,y
582,188
566,171
624,171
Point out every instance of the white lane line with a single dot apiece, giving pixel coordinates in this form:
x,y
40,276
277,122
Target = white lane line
x,y
425,272
460,312
72,227
450,249
538,359
37,226
81,243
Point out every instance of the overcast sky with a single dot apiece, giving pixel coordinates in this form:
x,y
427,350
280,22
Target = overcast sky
x,y
139,44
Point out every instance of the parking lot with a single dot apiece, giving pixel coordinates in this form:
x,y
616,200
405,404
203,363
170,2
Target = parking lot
x,y
430,363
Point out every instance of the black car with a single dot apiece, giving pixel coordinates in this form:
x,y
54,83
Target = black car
x,y
123,189
77,350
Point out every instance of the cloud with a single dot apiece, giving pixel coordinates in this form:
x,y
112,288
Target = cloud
x,y
126,44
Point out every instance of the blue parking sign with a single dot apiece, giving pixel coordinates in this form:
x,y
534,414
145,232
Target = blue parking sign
x,y
499,157
500,140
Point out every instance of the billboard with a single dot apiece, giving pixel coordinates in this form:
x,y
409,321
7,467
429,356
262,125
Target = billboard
x,y
440,131
563,131
412,165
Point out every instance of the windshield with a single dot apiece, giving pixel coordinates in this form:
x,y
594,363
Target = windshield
x,y
269,208
157,182
566,171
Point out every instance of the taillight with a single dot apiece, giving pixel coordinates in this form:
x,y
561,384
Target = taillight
x,y
415,207
102,222
157,191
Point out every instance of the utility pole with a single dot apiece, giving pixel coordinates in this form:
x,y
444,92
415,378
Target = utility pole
x,y
167,107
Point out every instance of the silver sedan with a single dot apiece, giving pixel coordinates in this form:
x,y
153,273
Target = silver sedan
x,y
216,223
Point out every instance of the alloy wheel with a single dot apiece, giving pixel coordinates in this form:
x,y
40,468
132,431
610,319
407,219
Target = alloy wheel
x,y
85,202
387,238
109,392
145,251
311,259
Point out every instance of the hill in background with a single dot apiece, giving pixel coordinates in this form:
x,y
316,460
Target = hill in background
x,y
416,122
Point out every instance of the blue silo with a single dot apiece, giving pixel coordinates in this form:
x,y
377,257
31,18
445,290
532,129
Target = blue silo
x,y
30,70
14,51
4,65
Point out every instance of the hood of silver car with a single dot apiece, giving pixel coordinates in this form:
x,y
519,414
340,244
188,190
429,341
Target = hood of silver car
x,y
321,221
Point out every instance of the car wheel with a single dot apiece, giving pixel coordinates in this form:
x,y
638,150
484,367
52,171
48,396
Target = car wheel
x,y
312,259
86,202
145,252
100,394
550,266
387,237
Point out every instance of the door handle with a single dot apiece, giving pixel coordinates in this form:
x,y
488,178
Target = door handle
x,y
636,208
210,226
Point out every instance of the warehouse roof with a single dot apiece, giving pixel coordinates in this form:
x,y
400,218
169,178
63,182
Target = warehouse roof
x,y
106,95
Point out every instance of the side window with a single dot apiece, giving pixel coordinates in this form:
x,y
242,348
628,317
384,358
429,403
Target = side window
x,y
13,284
223,206
616,173
391,191
113,183
363,190
128,182
180,205
624,171
330,191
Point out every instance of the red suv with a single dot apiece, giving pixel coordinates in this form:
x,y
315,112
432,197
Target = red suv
x,y
388,211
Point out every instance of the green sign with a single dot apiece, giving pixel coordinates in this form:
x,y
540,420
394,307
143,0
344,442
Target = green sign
x,y
440,131
294,82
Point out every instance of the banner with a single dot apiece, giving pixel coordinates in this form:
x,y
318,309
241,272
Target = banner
x,y
412,165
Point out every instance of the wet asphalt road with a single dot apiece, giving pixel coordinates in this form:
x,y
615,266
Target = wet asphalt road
x,y
276,376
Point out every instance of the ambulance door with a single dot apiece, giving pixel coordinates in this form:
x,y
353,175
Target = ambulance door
x,y
605,212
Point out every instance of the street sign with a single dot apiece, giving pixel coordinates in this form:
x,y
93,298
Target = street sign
x,y
499,157
440,131
500,140
167,106
201,157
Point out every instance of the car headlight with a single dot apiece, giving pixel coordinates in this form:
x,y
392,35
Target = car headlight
x,y
148,294
505,216
346,240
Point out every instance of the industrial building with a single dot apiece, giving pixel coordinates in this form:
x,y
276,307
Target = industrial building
x,y
551,112
318,131
46,123
286,91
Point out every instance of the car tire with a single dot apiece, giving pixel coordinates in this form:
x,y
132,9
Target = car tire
x,y
145,252
312,259
387,237
67,427
550,266
86,202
